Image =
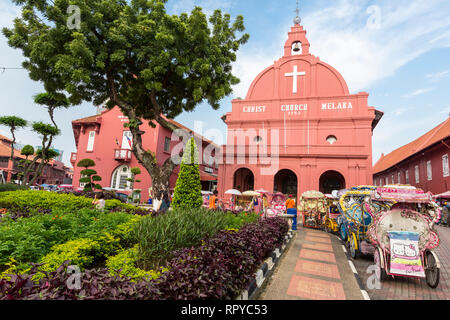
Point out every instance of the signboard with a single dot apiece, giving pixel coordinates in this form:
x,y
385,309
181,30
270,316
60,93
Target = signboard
x,y
405,255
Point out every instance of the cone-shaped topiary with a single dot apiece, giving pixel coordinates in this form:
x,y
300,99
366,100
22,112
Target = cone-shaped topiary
x,y
188,189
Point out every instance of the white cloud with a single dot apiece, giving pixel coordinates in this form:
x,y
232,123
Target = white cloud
x,y
445,111
208,6
418,92
435,77
342,36
399,111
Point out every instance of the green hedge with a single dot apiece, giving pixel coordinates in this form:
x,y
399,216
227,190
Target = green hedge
x,y
39,199
159,236
29,239
11,187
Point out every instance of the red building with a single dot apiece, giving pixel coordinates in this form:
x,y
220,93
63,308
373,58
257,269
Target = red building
x,y
55,172
422,163
299,128
103,138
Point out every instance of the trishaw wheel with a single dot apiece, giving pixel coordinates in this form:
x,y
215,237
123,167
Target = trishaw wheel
x,y
342,232
327,227
380,272
431,271
353,251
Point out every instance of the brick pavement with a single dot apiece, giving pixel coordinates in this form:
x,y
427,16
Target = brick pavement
x,y
313,268
403,288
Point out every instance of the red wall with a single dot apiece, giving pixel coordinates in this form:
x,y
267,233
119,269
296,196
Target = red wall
x,y
105,142
438,184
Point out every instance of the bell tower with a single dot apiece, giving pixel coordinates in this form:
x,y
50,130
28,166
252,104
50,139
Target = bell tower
x,y
297,43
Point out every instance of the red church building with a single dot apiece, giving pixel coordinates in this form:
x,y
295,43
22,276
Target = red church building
x,y
298,128
422,163
103,138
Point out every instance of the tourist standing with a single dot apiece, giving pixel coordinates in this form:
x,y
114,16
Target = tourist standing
x,y
213,200
290,206
444,217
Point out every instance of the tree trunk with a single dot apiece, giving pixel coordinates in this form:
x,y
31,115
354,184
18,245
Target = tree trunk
x,y
43,162
160,174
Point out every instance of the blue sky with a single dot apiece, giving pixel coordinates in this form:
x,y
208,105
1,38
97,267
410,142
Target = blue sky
x,y
397,51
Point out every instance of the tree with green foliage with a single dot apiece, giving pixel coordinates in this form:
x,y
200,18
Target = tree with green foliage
x,y
134,55
44,154
13,123
89,176
134,172
188,189
52,101
26,151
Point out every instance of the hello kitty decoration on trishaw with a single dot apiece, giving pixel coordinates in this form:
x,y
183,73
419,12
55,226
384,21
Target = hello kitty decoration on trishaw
x,y
404,236
277,205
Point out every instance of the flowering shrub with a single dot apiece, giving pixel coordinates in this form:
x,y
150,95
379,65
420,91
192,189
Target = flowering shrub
x,y
224,265
124,264
81,252
28,240
30,202
94,285
220,268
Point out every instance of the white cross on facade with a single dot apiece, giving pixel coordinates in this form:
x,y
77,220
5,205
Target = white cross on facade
x,y
294,74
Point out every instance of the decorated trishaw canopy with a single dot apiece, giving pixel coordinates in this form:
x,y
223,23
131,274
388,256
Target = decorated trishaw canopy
x,y
445,195
312,194
401,194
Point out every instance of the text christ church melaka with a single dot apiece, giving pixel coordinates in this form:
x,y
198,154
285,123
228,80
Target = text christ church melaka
x,y
317,135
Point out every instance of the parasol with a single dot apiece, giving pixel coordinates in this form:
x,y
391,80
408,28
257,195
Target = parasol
x,y
234,192
251,193
312,194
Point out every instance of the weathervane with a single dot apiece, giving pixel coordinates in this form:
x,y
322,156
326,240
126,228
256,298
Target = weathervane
x,y
297,19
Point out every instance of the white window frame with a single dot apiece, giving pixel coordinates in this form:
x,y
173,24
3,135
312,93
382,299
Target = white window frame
x,y
417,173
392,179
445,168
407,177
115,178
91,141
387,180
429,171
399,177
167,140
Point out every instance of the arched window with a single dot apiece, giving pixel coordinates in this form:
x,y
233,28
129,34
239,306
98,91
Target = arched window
x,y
119,178
331,139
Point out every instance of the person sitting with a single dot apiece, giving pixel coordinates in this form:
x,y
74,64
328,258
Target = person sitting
x,y
100,202
157,202
165,203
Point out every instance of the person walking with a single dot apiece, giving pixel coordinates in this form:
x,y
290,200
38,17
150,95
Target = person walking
x,y
213,200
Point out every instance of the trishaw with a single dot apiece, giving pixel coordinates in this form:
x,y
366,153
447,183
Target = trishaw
x,y
404,235
331,218
312,206
277,205
357,213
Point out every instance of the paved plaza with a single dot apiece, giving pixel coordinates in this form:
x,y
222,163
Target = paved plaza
x,y
316,266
